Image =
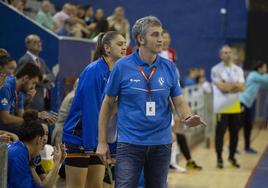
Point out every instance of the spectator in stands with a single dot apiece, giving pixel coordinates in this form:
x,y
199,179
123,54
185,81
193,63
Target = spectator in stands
x,y
31,141
63,113
80,132
65,13
167,51
190,79
118,22
41,100
144,132
90,19
44,16
18,4
3,53
101,24
76,13
79,29
255,80
68,28
228,82
81,11
11,109
89,15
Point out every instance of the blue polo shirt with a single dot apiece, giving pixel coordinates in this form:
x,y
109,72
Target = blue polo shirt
x,y
127,82
19,173
8,95
81,125
10,102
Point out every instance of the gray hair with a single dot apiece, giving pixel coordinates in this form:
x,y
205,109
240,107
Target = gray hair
x,y
142,24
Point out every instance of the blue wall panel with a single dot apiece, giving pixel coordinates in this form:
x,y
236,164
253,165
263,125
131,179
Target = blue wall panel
x,y
74,57
214,21
237,19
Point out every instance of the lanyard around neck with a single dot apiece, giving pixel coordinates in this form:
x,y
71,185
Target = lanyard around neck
x,y
148,79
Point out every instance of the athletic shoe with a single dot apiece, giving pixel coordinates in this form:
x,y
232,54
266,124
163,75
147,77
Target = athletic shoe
x,y
251,151
234,162
191,165
177,168
220,164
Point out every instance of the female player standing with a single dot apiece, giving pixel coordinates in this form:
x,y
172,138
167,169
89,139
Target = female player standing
x,y
80,133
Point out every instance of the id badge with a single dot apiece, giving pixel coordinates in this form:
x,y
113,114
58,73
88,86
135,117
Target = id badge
x,y
150,108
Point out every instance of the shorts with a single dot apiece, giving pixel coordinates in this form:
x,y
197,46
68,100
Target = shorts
x,y
81,158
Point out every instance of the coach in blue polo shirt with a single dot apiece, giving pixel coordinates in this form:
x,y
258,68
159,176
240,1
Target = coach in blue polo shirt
x,y
143,83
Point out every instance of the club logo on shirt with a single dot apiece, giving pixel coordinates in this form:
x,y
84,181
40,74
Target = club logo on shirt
x,y
134,80
4,102
161,81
